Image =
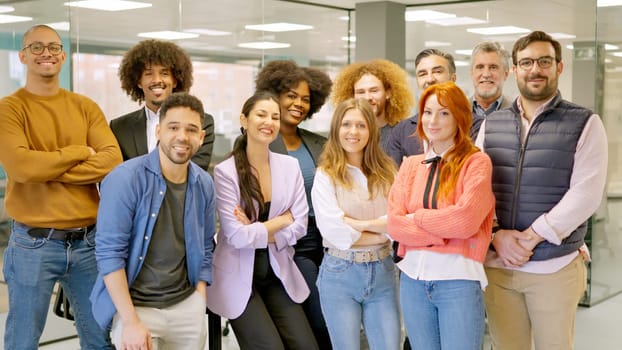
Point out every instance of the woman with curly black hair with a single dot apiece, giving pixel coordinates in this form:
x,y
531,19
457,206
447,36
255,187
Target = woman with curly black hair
x,y
301,91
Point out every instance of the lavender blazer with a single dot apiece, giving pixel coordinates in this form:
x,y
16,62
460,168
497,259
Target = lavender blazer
x,y
232,264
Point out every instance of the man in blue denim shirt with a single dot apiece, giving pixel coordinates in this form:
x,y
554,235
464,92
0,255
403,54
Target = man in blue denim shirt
x,y
154,242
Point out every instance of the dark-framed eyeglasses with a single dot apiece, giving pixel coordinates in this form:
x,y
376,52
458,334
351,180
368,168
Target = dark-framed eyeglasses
x,y
37,48
543,62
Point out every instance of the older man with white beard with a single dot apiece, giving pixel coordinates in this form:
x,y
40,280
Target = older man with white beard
x,y
489,70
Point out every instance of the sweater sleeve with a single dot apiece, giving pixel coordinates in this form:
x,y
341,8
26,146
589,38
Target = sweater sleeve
x,y
400,224
472,205
24,163
101,139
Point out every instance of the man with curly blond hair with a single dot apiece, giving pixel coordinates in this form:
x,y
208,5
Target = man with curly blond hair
x,y
151,71
384,85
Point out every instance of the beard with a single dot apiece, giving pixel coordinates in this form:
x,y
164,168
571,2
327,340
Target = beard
x,y
541,93
488,93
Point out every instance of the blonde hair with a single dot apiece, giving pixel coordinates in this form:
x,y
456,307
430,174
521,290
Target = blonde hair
x,y
393,78
377,166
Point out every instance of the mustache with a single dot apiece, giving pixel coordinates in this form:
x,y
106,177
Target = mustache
x,y
157,85
536,76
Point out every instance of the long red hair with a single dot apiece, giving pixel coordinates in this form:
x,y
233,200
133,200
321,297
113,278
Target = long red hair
x,y
450,96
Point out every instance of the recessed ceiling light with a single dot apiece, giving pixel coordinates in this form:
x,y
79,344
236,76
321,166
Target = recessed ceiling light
x,y
466,52
455,21
351,39
570,47
344,18
498,30
168,35
278,27
249,62
433,43
460,63
560,36
208,32
607,3
617,54
14,19
62,26
264,45
426,15
5,9
108,5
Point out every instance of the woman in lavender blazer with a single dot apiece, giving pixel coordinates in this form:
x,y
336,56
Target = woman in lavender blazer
x,y
256,283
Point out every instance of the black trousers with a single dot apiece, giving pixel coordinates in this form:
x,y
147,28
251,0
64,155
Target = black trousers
x,y
271,320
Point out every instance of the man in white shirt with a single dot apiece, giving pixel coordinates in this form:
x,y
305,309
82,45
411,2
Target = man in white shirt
x,y
549,169
151,71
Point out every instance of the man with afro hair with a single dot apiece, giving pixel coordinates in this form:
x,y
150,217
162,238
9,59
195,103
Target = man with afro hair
x,y
151,71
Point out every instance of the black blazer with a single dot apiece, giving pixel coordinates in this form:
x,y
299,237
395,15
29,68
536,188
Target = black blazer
x,y
314,143
131,133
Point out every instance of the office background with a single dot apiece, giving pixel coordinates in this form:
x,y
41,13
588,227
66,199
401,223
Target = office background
x,y
228,46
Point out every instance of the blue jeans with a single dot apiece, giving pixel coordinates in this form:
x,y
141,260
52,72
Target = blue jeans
x,y
354,293
442,314
31,268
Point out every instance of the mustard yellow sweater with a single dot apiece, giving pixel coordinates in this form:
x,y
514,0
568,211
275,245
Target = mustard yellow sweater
x,y
51,174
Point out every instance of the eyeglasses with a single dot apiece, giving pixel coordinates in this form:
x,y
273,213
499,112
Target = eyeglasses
x,y
37,48
543,62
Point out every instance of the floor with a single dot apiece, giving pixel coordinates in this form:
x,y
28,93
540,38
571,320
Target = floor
x,y
597,328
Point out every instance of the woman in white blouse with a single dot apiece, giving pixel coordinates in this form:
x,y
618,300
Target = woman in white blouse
x,y
357,281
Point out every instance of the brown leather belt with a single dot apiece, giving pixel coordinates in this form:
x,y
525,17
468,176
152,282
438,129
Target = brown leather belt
x,y
61,234
361,256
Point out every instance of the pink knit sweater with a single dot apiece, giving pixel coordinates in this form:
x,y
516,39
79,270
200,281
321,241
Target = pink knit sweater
x,y
461,225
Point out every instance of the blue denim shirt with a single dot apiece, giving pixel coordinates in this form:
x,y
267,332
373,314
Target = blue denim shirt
x,y
131,196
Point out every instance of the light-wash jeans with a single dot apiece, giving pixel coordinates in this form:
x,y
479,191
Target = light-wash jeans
x,y
354,293
442,314
31,268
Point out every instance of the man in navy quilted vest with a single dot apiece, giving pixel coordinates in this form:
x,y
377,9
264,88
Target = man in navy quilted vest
x,y
549,168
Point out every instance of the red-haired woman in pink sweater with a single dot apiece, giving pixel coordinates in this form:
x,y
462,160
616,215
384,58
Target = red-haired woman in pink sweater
x,y
441,209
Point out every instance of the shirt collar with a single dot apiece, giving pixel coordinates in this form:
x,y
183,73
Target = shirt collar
x,y
151,115
539,110
480,111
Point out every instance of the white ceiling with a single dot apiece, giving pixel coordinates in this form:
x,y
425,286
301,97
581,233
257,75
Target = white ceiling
x,y
102,30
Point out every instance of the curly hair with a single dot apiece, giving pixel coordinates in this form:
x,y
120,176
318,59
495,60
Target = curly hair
x,y
149,52
392,76
378,167
281,75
